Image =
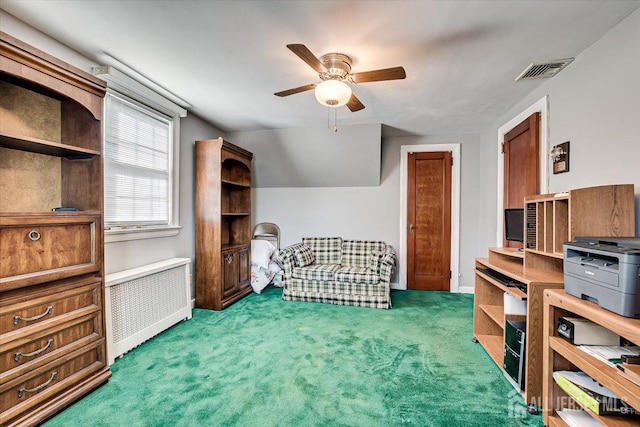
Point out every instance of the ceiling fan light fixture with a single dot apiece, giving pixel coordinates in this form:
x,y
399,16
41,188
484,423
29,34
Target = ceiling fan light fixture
x,y
333,93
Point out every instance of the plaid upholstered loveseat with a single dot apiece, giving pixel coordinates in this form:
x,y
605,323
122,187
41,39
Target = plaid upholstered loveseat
x,y
336,271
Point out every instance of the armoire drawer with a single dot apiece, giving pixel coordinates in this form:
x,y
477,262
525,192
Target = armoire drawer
x,y
23,393
19,357
45,307
40,248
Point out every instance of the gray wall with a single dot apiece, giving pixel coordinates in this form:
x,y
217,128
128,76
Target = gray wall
x,y
371,212
595,104
314,157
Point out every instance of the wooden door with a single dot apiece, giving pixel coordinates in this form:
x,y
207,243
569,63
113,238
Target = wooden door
x,y
429,221
244,268
229,272
521,154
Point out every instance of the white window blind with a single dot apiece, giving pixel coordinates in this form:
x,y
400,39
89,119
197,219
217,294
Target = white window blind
x,y
138,165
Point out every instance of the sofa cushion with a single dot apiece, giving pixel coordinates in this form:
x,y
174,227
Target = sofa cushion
x,y
316,272
326,250
303,256
335,289
357,275
355,253
373,261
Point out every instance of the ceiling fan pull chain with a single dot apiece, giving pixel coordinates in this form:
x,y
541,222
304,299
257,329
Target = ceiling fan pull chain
x,y
335,120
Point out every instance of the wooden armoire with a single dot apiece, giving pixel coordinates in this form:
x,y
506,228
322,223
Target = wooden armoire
x,y
223,223
52,339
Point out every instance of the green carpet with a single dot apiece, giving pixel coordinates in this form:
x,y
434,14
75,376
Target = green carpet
x,y
267,362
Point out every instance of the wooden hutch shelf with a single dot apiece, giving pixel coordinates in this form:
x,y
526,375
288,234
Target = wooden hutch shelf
x,y
52,320
41,146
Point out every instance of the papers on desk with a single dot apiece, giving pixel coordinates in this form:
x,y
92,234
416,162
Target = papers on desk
x,y
578,418
610,354
586,382
592,395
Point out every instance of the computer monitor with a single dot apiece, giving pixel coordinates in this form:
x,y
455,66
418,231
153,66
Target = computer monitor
x,y
514,224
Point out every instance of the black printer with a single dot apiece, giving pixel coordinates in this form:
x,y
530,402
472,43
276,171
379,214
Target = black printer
x,y
605,270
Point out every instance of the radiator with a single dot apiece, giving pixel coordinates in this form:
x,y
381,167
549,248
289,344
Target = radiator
x,y
142,302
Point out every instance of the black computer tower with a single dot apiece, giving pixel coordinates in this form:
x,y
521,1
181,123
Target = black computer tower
x,y
514,351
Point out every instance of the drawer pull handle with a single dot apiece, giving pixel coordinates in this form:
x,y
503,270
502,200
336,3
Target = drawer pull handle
x,y
16,319
17,356
22,391
34,235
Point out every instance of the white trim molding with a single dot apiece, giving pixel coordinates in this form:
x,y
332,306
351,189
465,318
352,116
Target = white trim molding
x,y
120,82
455,210
542,107
123,235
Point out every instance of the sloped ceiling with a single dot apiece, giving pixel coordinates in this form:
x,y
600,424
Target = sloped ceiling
x,y
314,157
227,58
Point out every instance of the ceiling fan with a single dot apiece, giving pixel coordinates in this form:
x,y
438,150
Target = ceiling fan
x,y
334,69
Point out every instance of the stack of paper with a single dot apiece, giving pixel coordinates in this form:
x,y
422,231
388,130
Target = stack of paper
x,y
610,354
578,418
590,394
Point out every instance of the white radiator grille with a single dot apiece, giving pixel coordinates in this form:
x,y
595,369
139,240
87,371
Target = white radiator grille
x,y
145,301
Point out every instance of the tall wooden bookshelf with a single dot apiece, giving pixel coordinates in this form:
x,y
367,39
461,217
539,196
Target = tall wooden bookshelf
x,y
550,220
223,223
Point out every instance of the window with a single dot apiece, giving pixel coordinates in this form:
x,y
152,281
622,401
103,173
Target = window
x,y
142,139
137,165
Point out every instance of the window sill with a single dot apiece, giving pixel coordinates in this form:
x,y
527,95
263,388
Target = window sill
x,y
123,235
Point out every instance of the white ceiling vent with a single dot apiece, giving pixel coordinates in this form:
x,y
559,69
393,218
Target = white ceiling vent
x,y
544,70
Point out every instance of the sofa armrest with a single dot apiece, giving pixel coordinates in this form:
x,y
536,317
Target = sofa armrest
x,y
387,265
287,259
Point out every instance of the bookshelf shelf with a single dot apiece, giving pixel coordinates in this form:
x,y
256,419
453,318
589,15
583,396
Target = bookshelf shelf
x,y
560,354
496,312
490,317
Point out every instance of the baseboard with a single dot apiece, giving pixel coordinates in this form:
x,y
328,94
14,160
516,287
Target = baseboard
x,y
461,289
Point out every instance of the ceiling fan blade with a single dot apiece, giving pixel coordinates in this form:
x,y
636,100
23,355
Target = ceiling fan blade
x,y
305,54
296,90
395,73
354,104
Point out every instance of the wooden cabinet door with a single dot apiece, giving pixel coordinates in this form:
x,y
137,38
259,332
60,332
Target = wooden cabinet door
x,y
244,268
39,248
229,272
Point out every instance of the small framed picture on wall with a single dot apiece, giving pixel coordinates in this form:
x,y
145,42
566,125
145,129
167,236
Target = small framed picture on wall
x,y
560,156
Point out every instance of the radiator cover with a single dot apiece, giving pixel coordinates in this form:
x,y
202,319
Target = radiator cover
x,y
144,301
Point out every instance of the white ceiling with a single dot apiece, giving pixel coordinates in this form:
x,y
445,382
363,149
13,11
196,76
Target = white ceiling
x,y
227,58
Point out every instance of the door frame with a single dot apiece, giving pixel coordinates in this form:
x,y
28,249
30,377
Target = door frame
x,y
455,210
542,107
